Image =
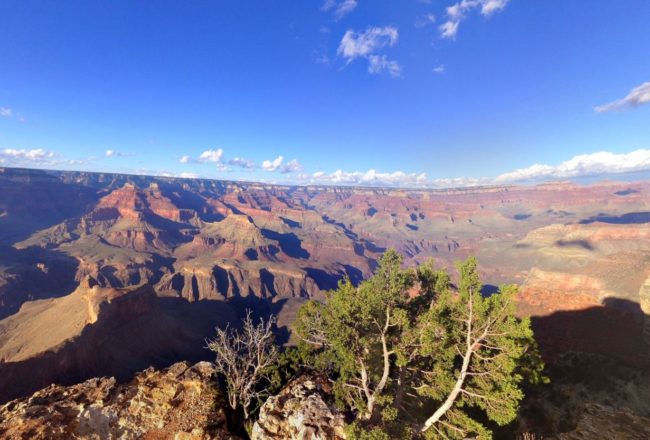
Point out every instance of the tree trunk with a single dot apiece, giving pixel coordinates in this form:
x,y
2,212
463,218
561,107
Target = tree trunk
x,y
451,398
458,386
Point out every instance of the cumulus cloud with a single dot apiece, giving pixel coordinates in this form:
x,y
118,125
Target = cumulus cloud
x,y
187,175
242,163
458,11
6,112
638,96
594,164
381,63
113,153
291,167
449,29
36,156
361,44
585,165
211,156
339,8
366,44
367,178
439,69
272,165
208,156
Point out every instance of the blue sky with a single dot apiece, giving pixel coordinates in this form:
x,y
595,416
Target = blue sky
x,y
408,92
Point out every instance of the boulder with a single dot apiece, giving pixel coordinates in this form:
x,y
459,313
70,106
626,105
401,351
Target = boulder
x,y
300,412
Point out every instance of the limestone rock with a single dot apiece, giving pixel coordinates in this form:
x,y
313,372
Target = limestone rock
x,y
180,402
300,412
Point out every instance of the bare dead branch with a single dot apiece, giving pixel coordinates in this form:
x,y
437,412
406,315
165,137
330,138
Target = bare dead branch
x,y
243,357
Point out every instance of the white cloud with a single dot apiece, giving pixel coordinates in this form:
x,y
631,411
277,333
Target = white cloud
x,y
425,20
460,182
208,156
22,156
439,69
6,112
638,96
291,167
272,165
339,8
113,153
458,11
367,178
187,175
211,156
593,164
381,63
491,6
365,45
585,165
242,163
361,44
449,29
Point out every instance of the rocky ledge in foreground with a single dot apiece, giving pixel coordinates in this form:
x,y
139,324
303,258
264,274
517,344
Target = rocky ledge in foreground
x,y
300,412
180,402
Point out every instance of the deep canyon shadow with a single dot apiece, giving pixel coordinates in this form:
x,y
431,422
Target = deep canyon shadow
x,y
631,218
34,273
289,243
594,356
132,333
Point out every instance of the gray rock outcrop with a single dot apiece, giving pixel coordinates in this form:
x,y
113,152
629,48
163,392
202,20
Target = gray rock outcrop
x,y
300,412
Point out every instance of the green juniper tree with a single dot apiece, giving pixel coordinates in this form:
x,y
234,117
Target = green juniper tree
x,y
358,331
475,347
435,364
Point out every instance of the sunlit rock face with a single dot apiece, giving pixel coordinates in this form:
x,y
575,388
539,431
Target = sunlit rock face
x,y
300,412
181,402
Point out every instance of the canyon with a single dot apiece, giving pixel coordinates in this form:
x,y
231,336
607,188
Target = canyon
x,y
107,274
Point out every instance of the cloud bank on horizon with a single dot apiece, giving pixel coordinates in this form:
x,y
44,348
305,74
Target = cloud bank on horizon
x,y
599,164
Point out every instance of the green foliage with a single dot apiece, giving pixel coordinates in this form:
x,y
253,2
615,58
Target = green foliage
x,y
289,363
357,432
443,363
353,332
